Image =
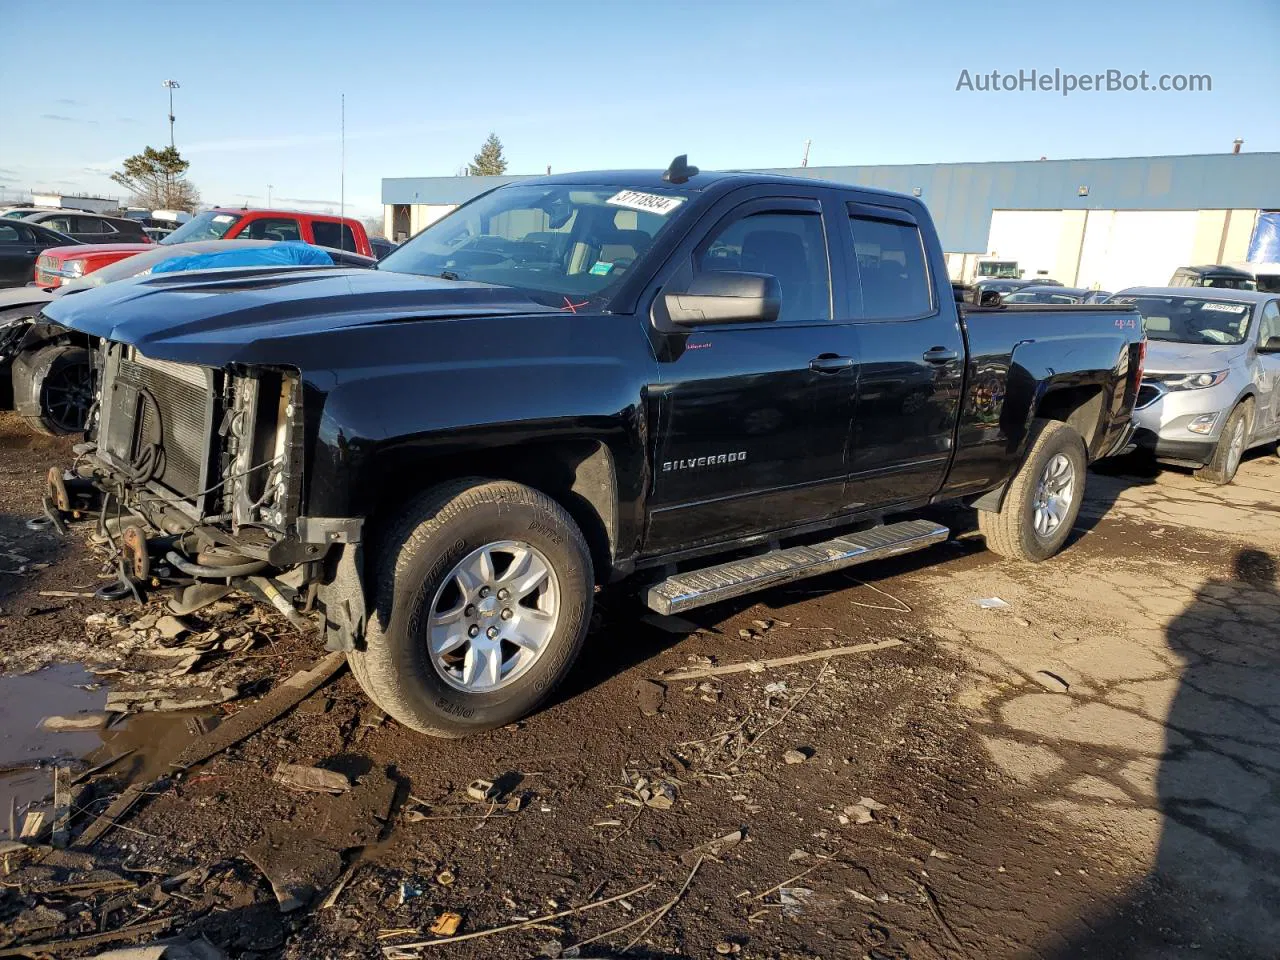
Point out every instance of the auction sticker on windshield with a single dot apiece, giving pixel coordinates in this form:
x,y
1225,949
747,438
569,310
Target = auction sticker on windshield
x,y
1225,307
648,202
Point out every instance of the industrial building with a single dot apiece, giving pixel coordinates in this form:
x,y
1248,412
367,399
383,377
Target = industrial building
x,y
1105,224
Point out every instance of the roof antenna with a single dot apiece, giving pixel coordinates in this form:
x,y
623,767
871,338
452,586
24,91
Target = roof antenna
x,y
680,171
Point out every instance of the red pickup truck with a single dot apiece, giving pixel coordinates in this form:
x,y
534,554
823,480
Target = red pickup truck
x,y
60,265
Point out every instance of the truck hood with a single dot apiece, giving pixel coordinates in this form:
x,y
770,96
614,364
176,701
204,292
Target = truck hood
x,y
1166,357
254,314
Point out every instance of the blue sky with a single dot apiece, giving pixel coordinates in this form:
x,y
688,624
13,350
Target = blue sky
x,y
578,85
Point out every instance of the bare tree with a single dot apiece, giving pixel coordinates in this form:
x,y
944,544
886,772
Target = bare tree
x,y
157,180
375,227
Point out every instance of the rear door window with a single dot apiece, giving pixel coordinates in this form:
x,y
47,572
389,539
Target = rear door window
x,y
89,225
890,267
329,233
9,234
272,228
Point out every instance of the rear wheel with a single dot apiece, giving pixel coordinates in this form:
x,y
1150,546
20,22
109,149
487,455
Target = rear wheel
x,y
1229,451
63,394
1043,500
483,601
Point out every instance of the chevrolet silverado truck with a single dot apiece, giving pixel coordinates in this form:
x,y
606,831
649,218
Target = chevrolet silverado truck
x,y
697,384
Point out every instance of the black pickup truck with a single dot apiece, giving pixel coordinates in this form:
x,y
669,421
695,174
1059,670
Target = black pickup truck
x,y
700,384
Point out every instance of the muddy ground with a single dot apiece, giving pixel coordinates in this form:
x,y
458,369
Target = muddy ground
x,y
1089,770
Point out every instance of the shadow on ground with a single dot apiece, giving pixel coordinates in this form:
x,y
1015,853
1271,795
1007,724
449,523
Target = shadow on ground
x,y
1215,886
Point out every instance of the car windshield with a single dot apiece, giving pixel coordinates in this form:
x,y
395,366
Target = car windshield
x,y
565,245
209,225
1192,319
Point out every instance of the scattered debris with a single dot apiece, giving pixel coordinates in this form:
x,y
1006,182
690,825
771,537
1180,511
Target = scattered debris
x,y
793,900
799,755
662,797
650,695
409,891
1051,681
161,700
170,627
80,721
447,924
60,833
725,948
758,666
32,824
863,811
991,603
482,791
407,951
313,779
714,848
299,686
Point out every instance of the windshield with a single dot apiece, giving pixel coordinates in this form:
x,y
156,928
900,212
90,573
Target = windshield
x,y
565,245
1192,320
1004,269
207,226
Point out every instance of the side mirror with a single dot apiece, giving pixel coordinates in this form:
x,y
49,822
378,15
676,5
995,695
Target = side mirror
x,y
1272,345
990,298
726,297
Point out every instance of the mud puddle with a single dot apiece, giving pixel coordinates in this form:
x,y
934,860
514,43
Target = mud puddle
x,y
29,751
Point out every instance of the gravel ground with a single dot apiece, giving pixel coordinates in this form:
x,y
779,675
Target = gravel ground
x,y
1090,770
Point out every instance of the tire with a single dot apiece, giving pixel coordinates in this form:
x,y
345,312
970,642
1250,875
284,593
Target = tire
x,y
1222,466
58,381
1013,530
417,568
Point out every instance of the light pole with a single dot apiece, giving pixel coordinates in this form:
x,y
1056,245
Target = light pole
x,y
268,196
172,85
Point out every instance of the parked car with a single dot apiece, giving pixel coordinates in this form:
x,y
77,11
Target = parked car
x,y
446,455
1213,275
1043,281
381,246
21,243
983,290
91,227
1211,389
1048,293
58,266
1097,296
45,369
18,213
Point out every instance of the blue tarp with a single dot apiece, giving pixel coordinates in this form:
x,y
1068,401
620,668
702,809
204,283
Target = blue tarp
x,y
290,254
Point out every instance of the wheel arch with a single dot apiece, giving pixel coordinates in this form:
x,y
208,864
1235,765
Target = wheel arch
x,y
578,473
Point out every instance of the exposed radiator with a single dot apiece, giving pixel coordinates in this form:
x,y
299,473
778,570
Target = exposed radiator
x,y
158,402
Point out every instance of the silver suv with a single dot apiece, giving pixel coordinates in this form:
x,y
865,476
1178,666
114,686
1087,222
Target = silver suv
x,y
1211,386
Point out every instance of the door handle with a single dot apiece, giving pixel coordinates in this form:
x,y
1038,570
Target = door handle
x,y
31,253
940,355
830,363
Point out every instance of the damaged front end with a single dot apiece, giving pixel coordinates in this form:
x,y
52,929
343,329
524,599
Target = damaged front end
x,y
196,477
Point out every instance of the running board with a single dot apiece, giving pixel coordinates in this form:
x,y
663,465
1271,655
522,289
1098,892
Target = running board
x,y
697,588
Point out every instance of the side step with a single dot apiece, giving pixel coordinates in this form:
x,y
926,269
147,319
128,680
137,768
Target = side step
x,y
697,588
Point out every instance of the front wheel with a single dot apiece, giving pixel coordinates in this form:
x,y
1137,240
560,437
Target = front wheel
x,y
1229,450
484,596
58,381
1043,500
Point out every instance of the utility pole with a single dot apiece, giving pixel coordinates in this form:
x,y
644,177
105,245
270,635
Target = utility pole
x,y
268,196
172,85
804,162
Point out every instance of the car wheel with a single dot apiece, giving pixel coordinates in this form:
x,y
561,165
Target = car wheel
x,y
58,381
1229,450
1043,499
483,598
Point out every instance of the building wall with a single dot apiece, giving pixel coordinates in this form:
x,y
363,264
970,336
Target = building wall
x,y
1113,249
963,196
